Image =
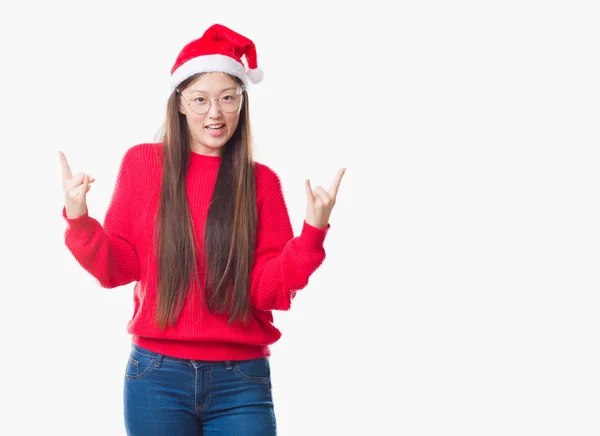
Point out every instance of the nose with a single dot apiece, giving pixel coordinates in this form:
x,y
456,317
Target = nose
x,y
215,110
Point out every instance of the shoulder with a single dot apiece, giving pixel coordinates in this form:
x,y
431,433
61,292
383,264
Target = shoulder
x,y
146,150
266,177
264,172
141,155
270,196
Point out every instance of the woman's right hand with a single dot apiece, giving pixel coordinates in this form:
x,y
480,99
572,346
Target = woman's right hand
x,y
75,188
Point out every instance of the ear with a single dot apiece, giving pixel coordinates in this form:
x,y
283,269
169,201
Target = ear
x,y
180,101
180,106
239,110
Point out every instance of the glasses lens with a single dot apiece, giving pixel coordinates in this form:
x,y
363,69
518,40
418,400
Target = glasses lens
x,y
200,105
230,102
227,103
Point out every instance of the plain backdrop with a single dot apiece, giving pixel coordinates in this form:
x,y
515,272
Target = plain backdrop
x,y
459,295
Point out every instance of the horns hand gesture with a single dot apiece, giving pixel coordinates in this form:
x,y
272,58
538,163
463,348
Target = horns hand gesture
x,y
321,202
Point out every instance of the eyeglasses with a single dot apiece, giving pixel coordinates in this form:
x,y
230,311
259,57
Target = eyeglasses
x,y
201,104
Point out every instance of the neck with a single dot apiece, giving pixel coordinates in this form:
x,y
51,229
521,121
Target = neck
x,y
205,160
206,151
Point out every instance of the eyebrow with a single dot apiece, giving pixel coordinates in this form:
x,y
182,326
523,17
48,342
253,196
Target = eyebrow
x,y
231,88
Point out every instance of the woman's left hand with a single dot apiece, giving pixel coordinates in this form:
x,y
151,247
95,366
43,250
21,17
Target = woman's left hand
x,y
321,202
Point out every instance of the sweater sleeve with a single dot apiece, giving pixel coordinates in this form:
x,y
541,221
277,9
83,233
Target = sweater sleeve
x,y
283,263
107,253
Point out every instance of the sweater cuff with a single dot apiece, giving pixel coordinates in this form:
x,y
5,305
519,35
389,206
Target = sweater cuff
x,y
313,237
80,223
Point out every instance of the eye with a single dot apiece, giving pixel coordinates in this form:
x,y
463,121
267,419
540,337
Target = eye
x,y
200,100
227,98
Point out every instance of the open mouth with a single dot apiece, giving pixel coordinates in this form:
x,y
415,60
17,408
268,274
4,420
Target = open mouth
x,y
215,127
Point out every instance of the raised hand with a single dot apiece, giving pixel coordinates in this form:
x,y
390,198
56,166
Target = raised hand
x,y
75,189
321,202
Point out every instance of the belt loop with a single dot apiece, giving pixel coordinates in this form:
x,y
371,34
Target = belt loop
x,y
228,365
158,360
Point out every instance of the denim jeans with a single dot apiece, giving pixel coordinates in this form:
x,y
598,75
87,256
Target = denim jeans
x,y
166,396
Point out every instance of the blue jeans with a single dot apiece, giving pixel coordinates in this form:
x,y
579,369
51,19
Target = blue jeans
x,y
166,396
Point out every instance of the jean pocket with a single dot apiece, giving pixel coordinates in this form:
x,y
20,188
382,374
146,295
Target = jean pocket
x,y
138,365
254,370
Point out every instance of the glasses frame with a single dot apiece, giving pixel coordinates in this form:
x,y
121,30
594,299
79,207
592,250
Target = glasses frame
x,y
211,100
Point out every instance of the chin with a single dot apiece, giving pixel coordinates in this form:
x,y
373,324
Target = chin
x,y
212,143
209,142
216,142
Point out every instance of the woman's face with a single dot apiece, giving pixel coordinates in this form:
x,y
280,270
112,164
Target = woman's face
x,y
211,105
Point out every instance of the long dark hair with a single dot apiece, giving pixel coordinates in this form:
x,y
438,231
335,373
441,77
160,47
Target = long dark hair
x,y
230,229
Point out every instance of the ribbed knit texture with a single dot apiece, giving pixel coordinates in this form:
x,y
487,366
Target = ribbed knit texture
x,y
121,252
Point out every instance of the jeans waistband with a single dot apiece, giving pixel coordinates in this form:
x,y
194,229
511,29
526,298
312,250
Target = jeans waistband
x,y
158,358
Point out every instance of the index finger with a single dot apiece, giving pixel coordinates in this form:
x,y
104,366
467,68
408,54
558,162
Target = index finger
x,y
66,169
333,190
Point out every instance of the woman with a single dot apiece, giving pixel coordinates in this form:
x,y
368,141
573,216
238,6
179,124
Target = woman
x,y
204,232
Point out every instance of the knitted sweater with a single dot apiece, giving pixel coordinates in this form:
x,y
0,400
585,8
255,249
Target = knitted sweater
x,y
121,251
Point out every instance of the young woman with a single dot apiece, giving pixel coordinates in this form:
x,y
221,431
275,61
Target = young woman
x,y
204,232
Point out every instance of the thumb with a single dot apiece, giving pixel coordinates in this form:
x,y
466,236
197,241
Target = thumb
x,y
86,185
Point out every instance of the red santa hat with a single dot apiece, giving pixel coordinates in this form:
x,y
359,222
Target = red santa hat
x,y
218,49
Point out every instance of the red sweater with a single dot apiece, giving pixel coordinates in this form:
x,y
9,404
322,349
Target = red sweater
x,y
121,252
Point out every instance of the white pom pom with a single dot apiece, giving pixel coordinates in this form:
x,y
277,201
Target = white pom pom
x,y
255,75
